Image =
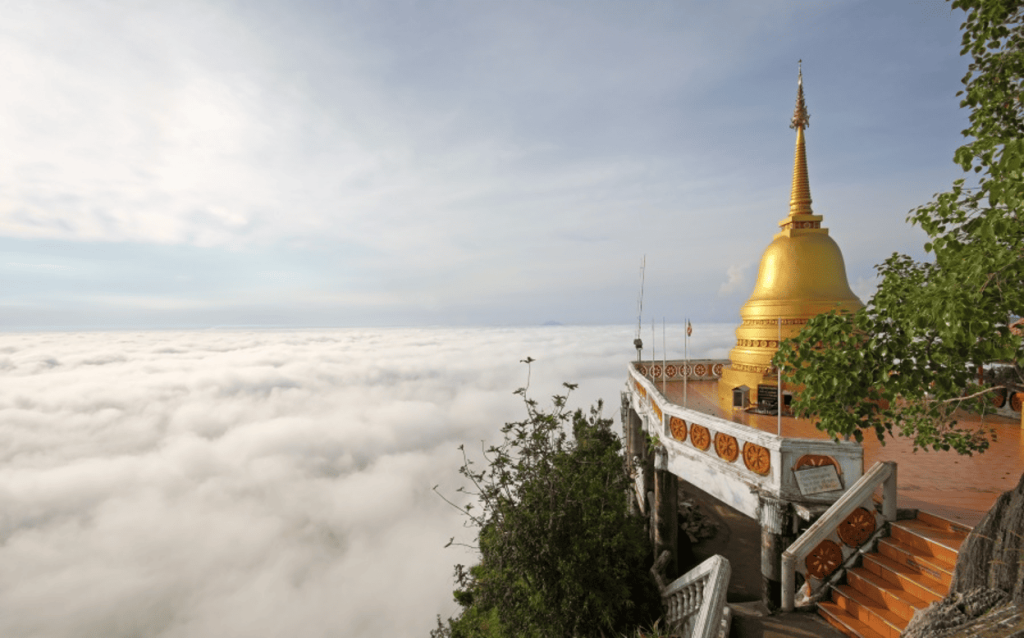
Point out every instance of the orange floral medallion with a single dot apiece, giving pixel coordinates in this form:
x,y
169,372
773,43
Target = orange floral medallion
x,y
757,459
726,447
999,398
817,460
678,427
824,559
857,528
700,437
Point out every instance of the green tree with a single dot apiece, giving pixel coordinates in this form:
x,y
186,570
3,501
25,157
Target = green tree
x,y
559,553
908,360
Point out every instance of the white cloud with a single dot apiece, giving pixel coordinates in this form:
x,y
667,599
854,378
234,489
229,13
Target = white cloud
x,y
205,124
226,155
257,483
865,287
736,280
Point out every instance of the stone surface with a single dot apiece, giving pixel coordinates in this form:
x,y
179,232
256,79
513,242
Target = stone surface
x,y
986,598
993,555
754,620
693,521
954,612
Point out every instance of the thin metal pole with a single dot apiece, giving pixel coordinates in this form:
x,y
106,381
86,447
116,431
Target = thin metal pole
x,y
778,399
686,357
638,343
664,356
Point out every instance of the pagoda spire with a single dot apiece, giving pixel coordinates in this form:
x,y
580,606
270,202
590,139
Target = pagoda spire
x,y
800,196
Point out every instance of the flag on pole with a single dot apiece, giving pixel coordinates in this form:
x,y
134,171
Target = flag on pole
x,y
686,360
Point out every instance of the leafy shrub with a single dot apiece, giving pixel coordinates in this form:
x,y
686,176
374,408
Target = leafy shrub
x,y
559,553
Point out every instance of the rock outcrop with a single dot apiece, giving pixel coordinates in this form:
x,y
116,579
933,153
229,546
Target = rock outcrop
x,y
986,597
979,612
993,555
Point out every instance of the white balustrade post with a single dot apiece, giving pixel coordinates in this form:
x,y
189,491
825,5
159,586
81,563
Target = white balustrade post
x,y
788,581
773,515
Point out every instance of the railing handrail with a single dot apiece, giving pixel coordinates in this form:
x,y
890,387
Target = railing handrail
x,y
763,438
695,574
725,361
717,572
882,471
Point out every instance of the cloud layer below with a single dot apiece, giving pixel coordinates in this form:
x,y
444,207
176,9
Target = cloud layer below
x,y
273,483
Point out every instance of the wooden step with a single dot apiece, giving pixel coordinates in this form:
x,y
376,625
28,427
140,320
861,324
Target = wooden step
x,y
928,540
886,594
845,623
936,568
868,611
924,587
944,523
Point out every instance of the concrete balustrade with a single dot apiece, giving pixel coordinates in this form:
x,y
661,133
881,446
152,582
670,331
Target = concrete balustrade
x,y
695,602
860,495
733,481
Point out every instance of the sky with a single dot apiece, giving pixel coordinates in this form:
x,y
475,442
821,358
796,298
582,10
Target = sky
x,y
406,163
272,483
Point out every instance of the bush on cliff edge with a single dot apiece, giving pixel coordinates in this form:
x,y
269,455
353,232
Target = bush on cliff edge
x,y
560,555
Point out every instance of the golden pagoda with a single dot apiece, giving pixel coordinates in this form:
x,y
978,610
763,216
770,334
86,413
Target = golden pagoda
x,y
802,274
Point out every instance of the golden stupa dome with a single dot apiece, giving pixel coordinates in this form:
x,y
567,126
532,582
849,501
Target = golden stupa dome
x,y
802,274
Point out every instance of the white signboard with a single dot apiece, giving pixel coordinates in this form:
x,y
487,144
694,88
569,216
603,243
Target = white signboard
x,y
815,480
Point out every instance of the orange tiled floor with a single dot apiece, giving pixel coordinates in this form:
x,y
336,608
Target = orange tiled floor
x,y
703,396
961,488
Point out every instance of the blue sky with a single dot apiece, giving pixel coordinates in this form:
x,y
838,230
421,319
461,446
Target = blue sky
x,y
196,164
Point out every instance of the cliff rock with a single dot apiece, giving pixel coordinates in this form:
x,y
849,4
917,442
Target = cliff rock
x,y
993,555
986,597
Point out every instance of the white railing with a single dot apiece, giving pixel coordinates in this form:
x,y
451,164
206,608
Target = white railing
x,y
858,495
695,602
676,369
750,461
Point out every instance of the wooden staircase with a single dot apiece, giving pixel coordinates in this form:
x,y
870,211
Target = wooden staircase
x,y
909,570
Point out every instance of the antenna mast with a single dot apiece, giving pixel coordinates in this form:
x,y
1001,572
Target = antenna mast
x,y
638,343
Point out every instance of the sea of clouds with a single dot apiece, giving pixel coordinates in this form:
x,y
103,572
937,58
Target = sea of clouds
x,y
262,483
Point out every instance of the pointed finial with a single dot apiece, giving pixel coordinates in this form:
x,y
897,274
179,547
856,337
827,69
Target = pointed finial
x,y
800,198
801,119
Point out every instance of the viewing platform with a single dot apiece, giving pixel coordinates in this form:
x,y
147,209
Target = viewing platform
x,y
961,488
744,459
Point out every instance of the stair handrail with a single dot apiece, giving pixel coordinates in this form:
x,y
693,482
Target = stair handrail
x,y
696,600
883,472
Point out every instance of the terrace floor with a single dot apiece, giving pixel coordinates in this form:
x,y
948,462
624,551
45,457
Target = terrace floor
x,y
703,396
